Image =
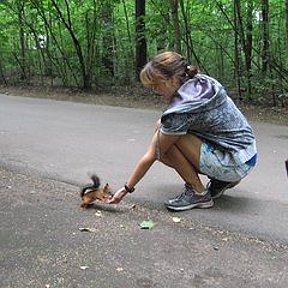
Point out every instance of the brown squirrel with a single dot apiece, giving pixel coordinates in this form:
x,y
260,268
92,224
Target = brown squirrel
x,y
92,192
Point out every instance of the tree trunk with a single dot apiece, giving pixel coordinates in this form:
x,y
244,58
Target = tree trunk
x,y
187,37
86,79
60,63
2,74
266,44
22,58
141,45
249,46
131,51
237,69
90,39
174,4
108,37
286,13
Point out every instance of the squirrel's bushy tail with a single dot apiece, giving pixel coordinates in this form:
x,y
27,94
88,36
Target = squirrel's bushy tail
x,y
96,184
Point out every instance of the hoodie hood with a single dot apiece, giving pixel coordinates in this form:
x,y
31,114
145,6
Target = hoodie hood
x,y
202,93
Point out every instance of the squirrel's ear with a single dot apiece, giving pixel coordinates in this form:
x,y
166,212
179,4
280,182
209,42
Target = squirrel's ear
x,y
106,187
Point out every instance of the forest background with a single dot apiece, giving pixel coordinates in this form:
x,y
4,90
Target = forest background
x,y
101,45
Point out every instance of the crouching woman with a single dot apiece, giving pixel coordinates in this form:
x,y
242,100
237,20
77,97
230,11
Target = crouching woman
x,y
201,132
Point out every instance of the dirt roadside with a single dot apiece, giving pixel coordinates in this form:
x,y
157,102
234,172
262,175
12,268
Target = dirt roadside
x,y
43,244
137,97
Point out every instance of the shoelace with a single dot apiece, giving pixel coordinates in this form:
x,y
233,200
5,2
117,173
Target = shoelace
x,y
186,192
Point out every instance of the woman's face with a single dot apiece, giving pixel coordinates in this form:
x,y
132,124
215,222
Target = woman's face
x,y
166,89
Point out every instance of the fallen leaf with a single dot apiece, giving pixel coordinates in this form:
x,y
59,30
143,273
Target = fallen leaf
x,y
147,224
176,219
86,229
84,267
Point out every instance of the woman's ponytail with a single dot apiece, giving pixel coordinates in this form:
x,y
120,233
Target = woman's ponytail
x,y
191,71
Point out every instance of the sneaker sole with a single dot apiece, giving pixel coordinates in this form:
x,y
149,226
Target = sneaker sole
x,y
188,207
218,195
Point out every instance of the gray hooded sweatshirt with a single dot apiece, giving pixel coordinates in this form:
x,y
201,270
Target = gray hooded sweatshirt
x,y
201,106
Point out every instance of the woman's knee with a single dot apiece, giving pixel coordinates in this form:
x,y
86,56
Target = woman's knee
x,y
189,141
190,147
166,157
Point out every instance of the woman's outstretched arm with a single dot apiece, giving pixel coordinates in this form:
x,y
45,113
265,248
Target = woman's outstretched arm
x,y
145,162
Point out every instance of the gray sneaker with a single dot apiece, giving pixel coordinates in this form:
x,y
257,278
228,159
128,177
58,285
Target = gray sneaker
x,y
189,199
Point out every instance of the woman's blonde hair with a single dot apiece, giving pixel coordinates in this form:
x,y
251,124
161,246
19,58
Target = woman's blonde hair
x,y
165,66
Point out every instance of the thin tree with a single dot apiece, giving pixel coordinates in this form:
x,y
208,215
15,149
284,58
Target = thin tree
x,y
108,37
131,51
286,13
266,44
61,64
187,26
21,18
174,4
141,44
2,74
237,51
249,46
67,22
188,41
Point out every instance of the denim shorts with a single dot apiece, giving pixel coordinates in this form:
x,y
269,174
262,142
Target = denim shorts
x,y
211,165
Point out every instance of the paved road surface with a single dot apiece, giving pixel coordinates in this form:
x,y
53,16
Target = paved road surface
x,y
41,245
64,141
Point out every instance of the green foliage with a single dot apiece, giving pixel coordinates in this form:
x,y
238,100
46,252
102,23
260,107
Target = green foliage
x,y
87,43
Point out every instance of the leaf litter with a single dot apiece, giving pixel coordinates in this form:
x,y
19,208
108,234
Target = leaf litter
x,y
147,224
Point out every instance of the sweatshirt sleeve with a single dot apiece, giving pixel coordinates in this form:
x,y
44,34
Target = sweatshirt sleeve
x,y
174,124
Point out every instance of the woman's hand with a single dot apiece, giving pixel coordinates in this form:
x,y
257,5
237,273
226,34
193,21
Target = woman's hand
x,y
117,197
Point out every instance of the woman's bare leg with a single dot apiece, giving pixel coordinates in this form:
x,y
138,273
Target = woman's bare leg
x,y
184,158
190,147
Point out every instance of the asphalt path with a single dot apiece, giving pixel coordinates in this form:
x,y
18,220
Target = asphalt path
x,y
48,240
66,141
